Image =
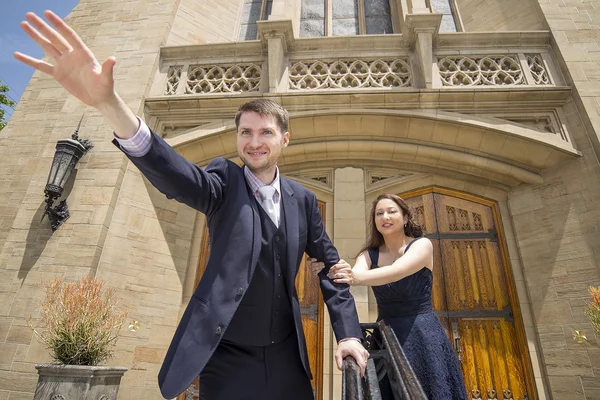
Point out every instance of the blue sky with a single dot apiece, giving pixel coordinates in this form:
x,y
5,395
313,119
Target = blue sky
x,y
12,38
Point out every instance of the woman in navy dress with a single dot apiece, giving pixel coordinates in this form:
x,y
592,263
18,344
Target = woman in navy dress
x,y
397,262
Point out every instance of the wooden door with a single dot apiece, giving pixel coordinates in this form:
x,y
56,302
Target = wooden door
x,y
474,293
311,310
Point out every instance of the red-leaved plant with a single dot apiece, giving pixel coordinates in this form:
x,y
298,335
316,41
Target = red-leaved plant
x,y
592,310
80,321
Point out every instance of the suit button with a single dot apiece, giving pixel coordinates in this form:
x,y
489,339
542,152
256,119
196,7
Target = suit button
x,y
277,238
277,256
240,291
218,330
278,296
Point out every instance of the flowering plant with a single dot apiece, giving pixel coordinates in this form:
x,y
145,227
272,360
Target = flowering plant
x,y
81,322
592,310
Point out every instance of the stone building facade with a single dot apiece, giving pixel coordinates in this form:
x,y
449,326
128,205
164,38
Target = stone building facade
x,y
484,114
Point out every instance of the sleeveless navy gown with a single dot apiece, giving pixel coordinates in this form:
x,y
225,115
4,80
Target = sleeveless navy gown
x,y
406,307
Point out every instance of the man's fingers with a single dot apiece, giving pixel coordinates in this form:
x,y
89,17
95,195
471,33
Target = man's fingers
x,y
35,63
40,40
54,37
339,360
107,67
65,30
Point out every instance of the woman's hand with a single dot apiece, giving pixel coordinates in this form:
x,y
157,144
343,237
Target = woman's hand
x,y
342,273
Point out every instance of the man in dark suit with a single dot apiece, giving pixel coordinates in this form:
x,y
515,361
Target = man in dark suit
x,y
242,330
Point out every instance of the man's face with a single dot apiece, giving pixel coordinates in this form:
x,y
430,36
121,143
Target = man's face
x,y
260,141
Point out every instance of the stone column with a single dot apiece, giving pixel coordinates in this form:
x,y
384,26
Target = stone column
x,y
418,7
287,10
421,30
350,234
277,37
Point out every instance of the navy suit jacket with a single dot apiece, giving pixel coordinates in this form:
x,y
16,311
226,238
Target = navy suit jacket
x,y
220,192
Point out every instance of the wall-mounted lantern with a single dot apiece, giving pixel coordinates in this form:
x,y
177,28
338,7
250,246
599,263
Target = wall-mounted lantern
x,y
68,153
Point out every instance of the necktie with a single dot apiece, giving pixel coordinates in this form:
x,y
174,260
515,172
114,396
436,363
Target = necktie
x,y
266,201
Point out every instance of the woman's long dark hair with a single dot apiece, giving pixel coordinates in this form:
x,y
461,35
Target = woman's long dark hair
x,y
375,238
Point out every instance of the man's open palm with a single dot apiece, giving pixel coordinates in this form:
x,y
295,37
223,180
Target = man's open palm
x,y
75,66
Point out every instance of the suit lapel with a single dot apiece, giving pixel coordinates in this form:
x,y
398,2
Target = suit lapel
x,y
256,231
292,230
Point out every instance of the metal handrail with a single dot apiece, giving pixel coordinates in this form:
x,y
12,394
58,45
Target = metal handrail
x,y
385,350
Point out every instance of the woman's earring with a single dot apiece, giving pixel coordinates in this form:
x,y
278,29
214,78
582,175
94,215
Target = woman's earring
x,y
405,225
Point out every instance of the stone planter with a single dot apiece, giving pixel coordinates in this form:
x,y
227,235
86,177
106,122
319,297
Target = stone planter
x,y
76,382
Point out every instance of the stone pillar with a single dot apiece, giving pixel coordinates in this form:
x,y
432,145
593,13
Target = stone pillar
x,y
350,234
418,7
287,10
277,37
421,30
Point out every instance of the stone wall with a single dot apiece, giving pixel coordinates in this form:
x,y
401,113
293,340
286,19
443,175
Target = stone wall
x,y
207,21
132,30
557,226
493,16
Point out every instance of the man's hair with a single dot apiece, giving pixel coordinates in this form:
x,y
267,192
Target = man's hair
x,y
265,107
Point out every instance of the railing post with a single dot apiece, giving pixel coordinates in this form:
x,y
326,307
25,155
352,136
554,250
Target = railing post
x,y
384,349
277,38
421,30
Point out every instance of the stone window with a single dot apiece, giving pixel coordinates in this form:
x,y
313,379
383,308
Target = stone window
x,y
254,10
449,18
345,18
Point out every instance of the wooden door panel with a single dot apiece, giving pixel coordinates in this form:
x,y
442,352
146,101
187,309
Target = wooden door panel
x,y
489,360
423,210
311,309
460,215
472,294
473,280
440,285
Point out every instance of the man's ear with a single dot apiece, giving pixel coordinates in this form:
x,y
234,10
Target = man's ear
x,y
286,139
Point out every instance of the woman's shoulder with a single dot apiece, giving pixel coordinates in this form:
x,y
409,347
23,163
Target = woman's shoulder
x,y
420,242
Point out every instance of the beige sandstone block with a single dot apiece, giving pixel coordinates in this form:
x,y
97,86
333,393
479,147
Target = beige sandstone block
x,y
566,387
349,125
19,334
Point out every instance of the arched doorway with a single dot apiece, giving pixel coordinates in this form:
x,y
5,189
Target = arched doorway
x,y
474,293
311,309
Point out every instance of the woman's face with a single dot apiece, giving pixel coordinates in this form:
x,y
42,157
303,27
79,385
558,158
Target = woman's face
x,y
389,217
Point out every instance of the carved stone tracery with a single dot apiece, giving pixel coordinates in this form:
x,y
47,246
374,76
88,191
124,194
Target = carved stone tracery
x,y
345,74
501,70
173,77
538,69
223,78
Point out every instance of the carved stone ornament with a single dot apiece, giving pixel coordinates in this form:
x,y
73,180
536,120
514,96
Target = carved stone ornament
x,y
348,74
503,70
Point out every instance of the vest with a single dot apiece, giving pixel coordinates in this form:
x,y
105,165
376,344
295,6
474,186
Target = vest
x,y
264,315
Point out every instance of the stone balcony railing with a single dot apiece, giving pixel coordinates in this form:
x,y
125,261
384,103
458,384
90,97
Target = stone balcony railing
x,y
504,85
281,63
487,69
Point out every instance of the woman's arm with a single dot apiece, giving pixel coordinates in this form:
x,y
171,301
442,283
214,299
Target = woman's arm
x,y
419,256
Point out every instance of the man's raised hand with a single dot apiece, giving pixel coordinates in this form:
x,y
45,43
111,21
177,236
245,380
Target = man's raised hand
x,y
75,67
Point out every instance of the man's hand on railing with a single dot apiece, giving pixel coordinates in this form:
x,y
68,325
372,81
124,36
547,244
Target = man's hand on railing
x,y
355,349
